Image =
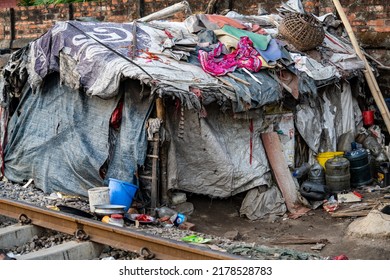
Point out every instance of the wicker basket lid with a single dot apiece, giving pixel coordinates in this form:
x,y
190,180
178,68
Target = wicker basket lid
x,y
303,31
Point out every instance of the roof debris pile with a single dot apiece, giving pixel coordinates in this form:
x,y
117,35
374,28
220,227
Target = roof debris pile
x,y
220,78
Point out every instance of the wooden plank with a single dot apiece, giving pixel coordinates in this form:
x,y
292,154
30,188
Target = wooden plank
x,y
350,214
282,174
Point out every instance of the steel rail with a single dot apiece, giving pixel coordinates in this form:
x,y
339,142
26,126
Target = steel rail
x,y
114,236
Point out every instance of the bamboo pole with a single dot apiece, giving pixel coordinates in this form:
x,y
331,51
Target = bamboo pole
x,y
371,80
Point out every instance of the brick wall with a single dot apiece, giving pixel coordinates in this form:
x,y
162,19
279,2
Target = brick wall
x,y
7,3
369,18
32,21
5,28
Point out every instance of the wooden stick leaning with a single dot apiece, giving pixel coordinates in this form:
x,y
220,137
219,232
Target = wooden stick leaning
x,y
371,81
167,12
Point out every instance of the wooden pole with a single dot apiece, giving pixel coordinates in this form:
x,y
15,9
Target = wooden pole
x,y
274,150
160,112
160,109
371,80
155,166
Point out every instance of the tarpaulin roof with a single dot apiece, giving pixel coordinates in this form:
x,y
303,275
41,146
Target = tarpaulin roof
x,y
97,56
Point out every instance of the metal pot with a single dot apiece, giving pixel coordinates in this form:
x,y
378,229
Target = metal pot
x,y
109,209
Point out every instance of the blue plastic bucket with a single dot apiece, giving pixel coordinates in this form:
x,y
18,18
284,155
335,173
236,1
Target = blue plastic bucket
x,y
121,192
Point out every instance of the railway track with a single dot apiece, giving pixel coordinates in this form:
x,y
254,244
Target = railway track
x,y
92,236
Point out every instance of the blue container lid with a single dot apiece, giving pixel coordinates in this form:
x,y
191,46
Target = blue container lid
x,y
356,154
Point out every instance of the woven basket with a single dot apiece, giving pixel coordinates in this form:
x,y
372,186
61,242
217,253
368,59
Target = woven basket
x,y
303,31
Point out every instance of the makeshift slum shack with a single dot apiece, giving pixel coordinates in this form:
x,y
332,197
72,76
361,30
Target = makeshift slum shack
x,y
189,106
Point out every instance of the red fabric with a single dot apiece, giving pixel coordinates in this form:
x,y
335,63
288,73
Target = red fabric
x,y
340,257
169,34
246,56
116,116
215,65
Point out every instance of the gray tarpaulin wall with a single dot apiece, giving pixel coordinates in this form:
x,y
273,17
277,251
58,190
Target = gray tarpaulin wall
x,y
60,138
213,155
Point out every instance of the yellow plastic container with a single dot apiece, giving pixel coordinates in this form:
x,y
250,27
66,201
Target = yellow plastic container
x,y
323,157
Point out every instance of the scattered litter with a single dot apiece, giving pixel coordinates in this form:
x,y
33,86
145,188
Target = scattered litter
x,y
232,235
62,196
318,247
195,239
6,256
216,248
331,204
340,257
376,188
54,196
372,188
357,194
349,197
141,218
28,183
108,258
315,205
267,253
359,205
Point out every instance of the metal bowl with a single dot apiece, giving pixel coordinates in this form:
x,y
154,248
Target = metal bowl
x,y
108,209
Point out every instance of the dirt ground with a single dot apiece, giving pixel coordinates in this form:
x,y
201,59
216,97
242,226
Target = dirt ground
x,y
218,216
